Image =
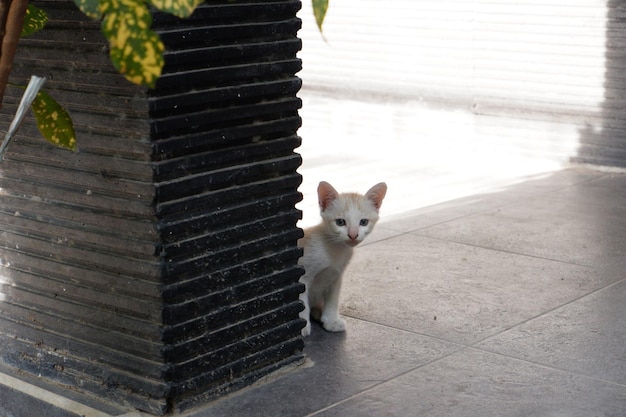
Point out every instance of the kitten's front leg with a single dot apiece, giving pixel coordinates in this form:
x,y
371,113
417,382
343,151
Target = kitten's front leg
x,y
331,320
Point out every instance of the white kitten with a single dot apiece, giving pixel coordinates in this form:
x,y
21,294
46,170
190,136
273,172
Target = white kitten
x,y
346,220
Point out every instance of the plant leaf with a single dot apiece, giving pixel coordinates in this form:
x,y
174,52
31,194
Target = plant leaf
x,y
135,50
54,123
179,8
90,7
319,10
34,19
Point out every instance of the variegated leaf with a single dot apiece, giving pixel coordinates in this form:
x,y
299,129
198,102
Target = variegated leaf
x,y
54,123
179,8
90,7
34,19
135,50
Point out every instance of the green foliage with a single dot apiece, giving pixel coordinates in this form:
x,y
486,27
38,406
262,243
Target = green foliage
x,y
34,20
179,8
319,10
54,123
135,50
89,7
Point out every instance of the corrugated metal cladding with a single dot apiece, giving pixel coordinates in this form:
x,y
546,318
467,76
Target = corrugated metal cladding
x,y
157,266
543,78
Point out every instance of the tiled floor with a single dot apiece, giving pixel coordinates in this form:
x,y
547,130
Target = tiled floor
x,y
504,304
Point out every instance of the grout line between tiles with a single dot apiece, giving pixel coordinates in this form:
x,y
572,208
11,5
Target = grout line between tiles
x,y
526,255
546,366
546,312
365,391
439,338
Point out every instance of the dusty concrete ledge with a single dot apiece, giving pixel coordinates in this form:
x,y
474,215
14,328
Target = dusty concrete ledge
x,y
23,396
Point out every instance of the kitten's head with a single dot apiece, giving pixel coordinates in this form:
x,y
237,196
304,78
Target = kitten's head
x,y
350,217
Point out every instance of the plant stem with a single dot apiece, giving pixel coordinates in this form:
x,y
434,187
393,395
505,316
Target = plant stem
x,y
12,14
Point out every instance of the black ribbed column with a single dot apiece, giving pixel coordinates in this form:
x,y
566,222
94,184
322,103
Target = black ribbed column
x,y
157,266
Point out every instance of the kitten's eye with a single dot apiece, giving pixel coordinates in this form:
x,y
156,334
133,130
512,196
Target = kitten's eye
x,y
364,222
340,222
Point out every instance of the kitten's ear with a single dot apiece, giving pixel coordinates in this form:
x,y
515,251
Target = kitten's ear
x,y
376,194
326,194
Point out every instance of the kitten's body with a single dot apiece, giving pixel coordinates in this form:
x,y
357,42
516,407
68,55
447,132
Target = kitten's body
x,y
346,220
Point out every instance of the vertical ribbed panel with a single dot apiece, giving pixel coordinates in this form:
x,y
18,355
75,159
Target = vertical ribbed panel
x,y
157,266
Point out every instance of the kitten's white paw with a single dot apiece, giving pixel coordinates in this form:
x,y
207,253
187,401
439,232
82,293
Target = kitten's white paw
x,y
335,324
306,331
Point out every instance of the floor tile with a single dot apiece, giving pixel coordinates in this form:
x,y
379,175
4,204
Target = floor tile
x,y
587,336
584,226
472,383
456,292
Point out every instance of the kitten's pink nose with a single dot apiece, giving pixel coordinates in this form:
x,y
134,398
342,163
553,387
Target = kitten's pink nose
x,y
353,236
